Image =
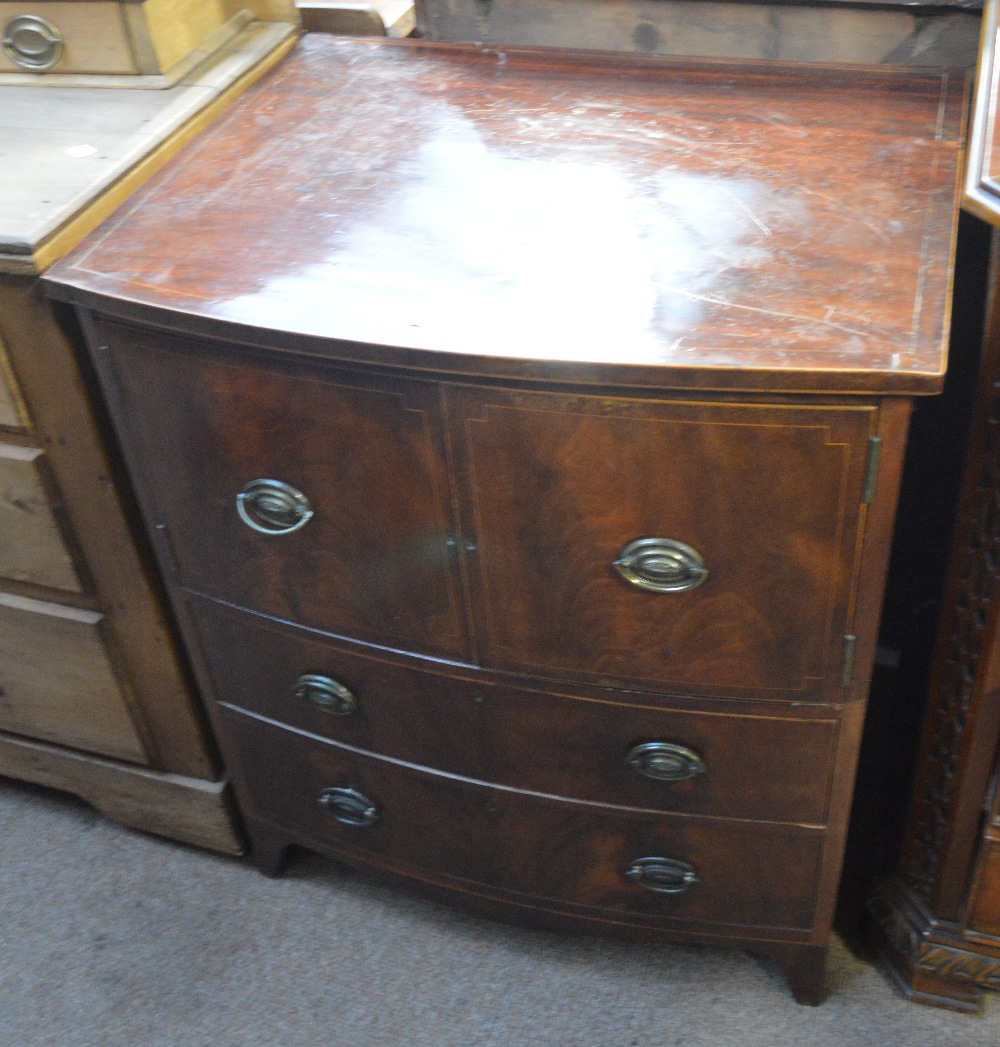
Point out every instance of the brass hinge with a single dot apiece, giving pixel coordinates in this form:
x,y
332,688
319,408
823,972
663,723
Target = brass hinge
x,y
847,674
871,469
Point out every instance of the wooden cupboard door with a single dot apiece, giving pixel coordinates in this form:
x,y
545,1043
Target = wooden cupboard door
x,y
57,683
32,549
375,560
768,499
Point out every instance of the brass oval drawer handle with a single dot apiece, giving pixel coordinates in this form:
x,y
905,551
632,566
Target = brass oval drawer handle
x,y
665,761
661,565
326,694
32,42
350,807
662,875
273,507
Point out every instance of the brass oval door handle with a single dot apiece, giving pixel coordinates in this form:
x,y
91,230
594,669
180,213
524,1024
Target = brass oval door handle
x,y
661,565
665,761
326,694
32,42
662,875
350,807
273,507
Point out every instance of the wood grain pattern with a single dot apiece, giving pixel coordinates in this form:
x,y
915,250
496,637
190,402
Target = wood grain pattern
x,y
546,849
770,496
719,248
801,32
94,36
192,810
368,455
766,764
56,682
11,406
509,312
33,549
170,722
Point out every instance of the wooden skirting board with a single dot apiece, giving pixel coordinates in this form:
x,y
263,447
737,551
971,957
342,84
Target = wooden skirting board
x,y
172,805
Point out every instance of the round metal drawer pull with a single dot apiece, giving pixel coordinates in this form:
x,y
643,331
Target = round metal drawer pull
x,y
273,507
325,694
350,807
665,761
662,875
661,565
32,43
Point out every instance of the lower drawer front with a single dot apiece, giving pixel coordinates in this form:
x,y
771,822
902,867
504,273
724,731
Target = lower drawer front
x,y
56,682
756,766
745,875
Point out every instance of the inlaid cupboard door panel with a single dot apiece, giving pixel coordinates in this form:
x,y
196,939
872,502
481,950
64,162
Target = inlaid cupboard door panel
x,y
317,497
757,510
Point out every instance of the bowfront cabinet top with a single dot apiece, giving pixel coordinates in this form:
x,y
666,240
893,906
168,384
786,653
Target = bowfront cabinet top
x,y
699,225
507,424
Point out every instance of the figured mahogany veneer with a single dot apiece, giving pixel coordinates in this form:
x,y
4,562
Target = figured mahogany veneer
x,y
478,332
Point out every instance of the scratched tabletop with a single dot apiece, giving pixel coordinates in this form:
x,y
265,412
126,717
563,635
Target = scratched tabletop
x,y
653,219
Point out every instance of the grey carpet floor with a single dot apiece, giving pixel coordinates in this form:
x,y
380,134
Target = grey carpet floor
x,y
111,938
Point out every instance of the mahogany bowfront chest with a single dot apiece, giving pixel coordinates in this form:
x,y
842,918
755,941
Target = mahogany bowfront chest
x,y
519,434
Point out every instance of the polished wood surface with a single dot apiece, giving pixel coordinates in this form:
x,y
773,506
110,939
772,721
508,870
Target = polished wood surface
x,y
524,737
662,222
368,454
556,851
770,496
504,316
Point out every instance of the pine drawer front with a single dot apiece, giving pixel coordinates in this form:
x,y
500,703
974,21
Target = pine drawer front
x,y
369,555
65,37
104,36
624,748
33,549
56,682
549,851
11,411
761,505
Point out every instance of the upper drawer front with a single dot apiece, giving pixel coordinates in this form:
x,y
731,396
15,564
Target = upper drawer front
x,y
545,850
374,561
766,498
763,767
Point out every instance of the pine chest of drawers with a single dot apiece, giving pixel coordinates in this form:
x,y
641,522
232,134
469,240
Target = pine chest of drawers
x,y
519,440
